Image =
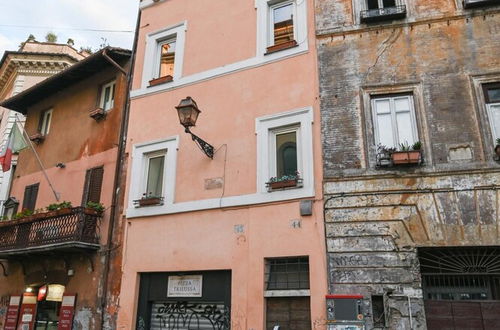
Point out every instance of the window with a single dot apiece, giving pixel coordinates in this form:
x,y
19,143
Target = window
x,y
93,185
379,4
164,56
44,125
153,166
394,120
381,10
378,311
284,141
30,195
154,176
287,293
492,98
282,30
284,144
107,96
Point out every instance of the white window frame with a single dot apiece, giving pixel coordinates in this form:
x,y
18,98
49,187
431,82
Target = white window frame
x,y
147,158
272,147
141,154
395,135
489,107
266,129
153,48
45,126
270,26
265,30
112,86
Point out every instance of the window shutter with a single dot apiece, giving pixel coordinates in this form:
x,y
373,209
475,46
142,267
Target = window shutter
x,y
93,185
30,195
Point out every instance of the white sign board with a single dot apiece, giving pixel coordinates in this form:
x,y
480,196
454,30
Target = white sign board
x,y
185,286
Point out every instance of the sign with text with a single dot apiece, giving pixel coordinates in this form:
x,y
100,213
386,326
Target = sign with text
x,y
185,286
12,313
67,312
28,312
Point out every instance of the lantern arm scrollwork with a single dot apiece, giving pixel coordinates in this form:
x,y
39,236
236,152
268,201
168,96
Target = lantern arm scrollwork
x,y
206,147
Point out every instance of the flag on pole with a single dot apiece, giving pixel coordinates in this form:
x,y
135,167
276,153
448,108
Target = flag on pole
x,y
14,144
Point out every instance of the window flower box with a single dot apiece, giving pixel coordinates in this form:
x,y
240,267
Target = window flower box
x,y
281,46
148,201
161,80
284,182
406,157
98,114
37,138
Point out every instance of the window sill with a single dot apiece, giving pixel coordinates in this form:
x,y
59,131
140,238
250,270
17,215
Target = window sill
x,y
161,80
282,185
98,114
283,46
287,293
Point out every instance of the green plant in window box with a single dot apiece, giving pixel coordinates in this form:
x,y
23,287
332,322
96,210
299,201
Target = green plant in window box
x,y
285,181
24,214
94,208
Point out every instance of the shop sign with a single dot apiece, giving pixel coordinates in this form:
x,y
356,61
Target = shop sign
x,y
67,312
55,292
28,311
185,286
12,313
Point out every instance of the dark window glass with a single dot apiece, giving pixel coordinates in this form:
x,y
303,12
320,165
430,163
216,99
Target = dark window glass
x,y
286,154
288,273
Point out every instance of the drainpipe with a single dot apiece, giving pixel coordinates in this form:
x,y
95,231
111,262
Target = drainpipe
x,y
115,215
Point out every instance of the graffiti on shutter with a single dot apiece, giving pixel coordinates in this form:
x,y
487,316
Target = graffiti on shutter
x,y
184,315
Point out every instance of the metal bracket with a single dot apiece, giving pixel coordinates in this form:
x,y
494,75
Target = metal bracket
x,y
206,147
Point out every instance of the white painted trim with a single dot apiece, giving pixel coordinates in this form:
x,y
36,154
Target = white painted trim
x,y
287,293
494,126
140,154
264,126
253,62
149,3
177,31
302,117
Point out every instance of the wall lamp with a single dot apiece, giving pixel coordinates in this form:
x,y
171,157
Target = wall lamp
x,y
188,114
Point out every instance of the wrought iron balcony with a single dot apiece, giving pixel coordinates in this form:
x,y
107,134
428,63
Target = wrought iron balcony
x,y
383,14
69,230
480,3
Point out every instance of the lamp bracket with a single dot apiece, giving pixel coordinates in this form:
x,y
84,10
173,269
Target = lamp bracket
x,y
207,148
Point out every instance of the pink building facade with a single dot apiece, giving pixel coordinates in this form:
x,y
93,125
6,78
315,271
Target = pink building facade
x,y
213,241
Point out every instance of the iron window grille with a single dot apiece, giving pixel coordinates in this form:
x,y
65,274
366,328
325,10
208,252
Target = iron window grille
x,y
287,273
480,3
387,10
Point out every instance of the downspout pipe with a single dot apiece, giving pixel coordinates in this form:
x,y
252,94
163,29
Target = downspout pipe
x,y
115,214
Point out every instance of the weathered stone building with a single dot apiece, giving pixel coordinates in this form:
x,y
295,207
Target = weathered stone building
x,y
420,241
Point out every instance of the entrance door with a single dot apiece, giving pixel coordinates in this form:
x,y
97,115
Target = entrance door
x,y
461,287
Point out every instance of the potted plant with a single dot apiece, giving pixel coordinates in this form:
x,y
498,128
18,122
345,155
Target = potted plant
x,y
149,200
497,148
64,208
94,208
160,80
37,138
384,157
39,214
407,154
285,181
24,214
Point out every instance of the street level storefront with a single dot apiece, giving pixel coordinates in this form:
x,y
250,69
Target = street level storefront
x,y
185,300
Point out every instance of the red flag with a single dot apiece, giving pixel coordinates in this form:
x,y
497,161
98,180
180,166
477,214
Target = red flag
x,y
6,155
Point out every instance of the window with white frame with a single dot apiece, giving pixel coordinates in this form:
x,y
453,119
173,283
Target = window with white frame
x,y
380,4
154,174
492,98
164,56
285,159
284,141
394,120
46,118
165,60
107,100
282,23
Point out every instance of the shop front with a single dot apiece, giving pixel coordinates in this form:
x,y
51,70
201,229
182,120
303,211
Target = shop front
x,y
198,300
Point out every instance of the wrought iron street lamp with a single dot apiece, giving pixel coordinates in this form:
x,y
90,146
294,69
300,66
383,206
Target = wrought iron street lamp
x,y
188,114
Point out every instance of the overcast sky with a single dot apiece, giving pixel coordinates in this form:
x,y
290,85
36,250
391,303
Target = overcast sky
x,y
68,19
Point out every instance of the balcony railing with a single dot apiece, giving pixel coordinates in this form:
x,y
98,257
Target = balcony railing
x,y
383,14
480,3
72,229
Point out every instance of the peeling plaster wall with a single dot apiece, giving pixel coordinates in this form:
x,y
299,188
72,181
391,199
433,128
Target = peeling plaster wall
x,y
376,218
